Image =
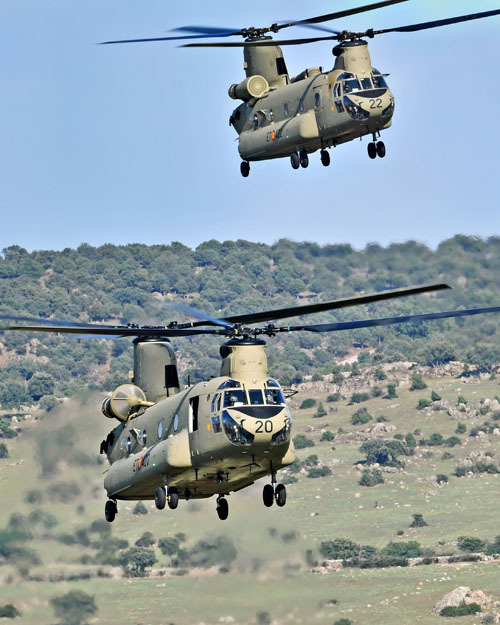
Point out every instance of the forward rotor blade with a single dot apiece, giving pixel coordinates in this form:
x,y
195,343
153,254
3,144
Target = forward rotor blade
x,y
51,321
435,24
298,311
119,331
193,312
387,321
339,14
259,42
148,39
213,31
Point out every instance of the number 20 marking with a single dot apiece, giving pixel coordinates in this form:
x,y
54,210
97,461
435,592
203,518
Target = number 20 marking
x,y
267,425
376,103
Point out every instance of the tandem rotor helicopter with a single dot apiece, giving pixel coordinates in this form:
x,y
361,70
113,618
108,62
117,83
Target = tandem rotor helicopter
x,y
215,437
283,116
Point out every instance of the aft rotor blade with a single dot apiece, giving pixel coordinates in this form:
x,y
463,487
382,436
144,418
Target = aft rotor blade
x,y
51,321
194,312
213,31
119,331
259,42
436,23
339,14
148,39
388,321
307,309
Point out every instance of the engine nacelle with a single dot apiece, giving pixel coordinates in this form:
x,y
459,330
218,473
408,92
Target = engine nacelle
x,y
252,87
124,402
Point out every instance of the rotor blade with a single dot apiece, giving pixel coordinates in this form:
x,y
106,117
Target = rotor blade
x,y
119,331
148,39
213,31
52,321
193,312
425,25
387,321
323,29
259,42
307,309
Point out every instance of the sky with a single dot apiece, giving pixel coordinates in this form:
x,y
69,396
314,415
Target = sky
x,y
131,143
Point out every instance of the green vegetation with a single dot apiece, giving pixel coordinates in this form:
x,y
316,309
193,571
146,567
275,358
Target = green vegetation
x,y
301,442
418,521
371,477
308,403
361,416
74,607
417,382
9,611
461,610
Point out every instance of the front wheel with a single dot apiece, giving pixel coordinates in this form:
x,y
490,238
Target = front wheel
x,y
173,498
381,149
295,160
325,158
268,495
110,510
245,168
160,497
280,495
372,150
222,508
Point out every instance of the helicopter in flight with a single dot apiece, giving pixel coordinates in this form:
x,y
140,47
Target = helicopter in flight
x,y
218,436
283,116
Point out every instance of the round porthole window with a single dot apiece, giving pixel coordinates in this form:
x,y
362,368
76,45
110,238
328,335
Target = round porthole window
x,y
317,99
143,437
176,423
160,430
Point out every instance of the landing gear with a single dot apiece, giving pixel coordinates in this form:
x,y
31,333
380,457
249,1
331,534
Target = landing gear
x,y
295,160
222,508
245,168
160,497
271,494
381,149
268,495
376,148
304,159
110,510
280,495
172,498
325,158
372,149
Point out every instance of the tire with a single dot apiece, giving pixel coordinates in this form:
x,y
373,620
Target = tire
x,y
110,511
280,495
268,495
173,498
160,498
295,160
381,149
372,150
245,168
325,158
222,509
304,159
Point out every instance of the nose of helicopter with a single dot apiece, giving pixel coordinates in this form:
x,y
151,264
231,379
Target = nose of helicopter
x,y
257,425
371,103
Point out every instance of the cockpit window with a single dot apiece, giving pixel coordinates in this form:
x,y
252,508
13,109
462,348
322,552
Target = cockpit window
x,y
366,83
351,85
216,403
379,80
235,398
230,384
272,382
255,396
274,396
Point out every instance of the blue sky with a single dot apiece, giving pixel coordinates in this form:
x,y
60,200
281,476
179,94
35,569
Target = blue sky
x,y
131,143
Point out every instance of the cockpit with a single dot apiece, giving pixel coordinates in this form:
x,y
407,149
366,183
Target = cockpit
x,y
351,83
232,394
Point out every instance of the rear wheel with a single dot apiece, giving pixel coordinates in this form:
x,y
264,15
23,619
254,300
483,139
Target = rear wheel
x,y
268,495
110,510
160,498
325,158
280,495
372,150
304,159
245,168
222,508
173,498
381,149
295,160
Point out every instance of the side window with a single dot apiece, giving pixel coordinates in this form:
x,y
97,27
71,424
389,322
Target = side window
x,y
255,121
216,403
216,427
285,109
301,106
125,445
193,409
317,99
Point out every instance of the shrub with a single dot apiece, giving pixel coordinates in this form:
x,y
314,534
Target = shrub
x,y
461,400
357,398
333,397
423,403
409,549
339,549
140,508
382,419
146,540
391,391
169,546
470,544
435,396
289,479
9,611
319,472
361,416
343,621
327,436
447,456
384,452
461,610
63,492
308,403
418,521
74,608
417,382
135,560
452,441
4,452
320,412
371,478
376,391
379,374
218,550
435,439
410,440
263,618
301,442
441,478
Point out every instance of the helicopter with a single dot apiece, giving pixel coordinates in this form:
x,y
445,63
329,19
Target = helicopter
x,y
283,116
218,436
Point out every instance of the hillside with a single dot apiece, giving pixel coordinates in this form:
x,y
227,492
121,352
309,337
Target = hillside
x,y
272,553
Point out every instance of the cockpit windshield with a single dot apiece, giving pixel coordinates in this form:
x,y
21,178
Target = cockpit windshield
x,y
378,80
234,398
352,83
274,396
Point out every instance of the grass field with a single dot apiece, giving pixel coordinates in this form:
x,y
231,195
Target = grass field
x,y
270,573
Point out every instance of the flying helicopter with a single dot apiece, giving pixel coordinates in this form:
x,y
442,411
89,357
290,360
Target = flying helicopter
x,y
218,436
283,116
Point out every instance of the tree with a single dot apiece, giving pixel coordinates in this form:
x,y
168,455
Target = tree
x,y
146,540
339,549
135,560
417,382
74,608
384,452
470,544
410,549
418,521
391,391
39,385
